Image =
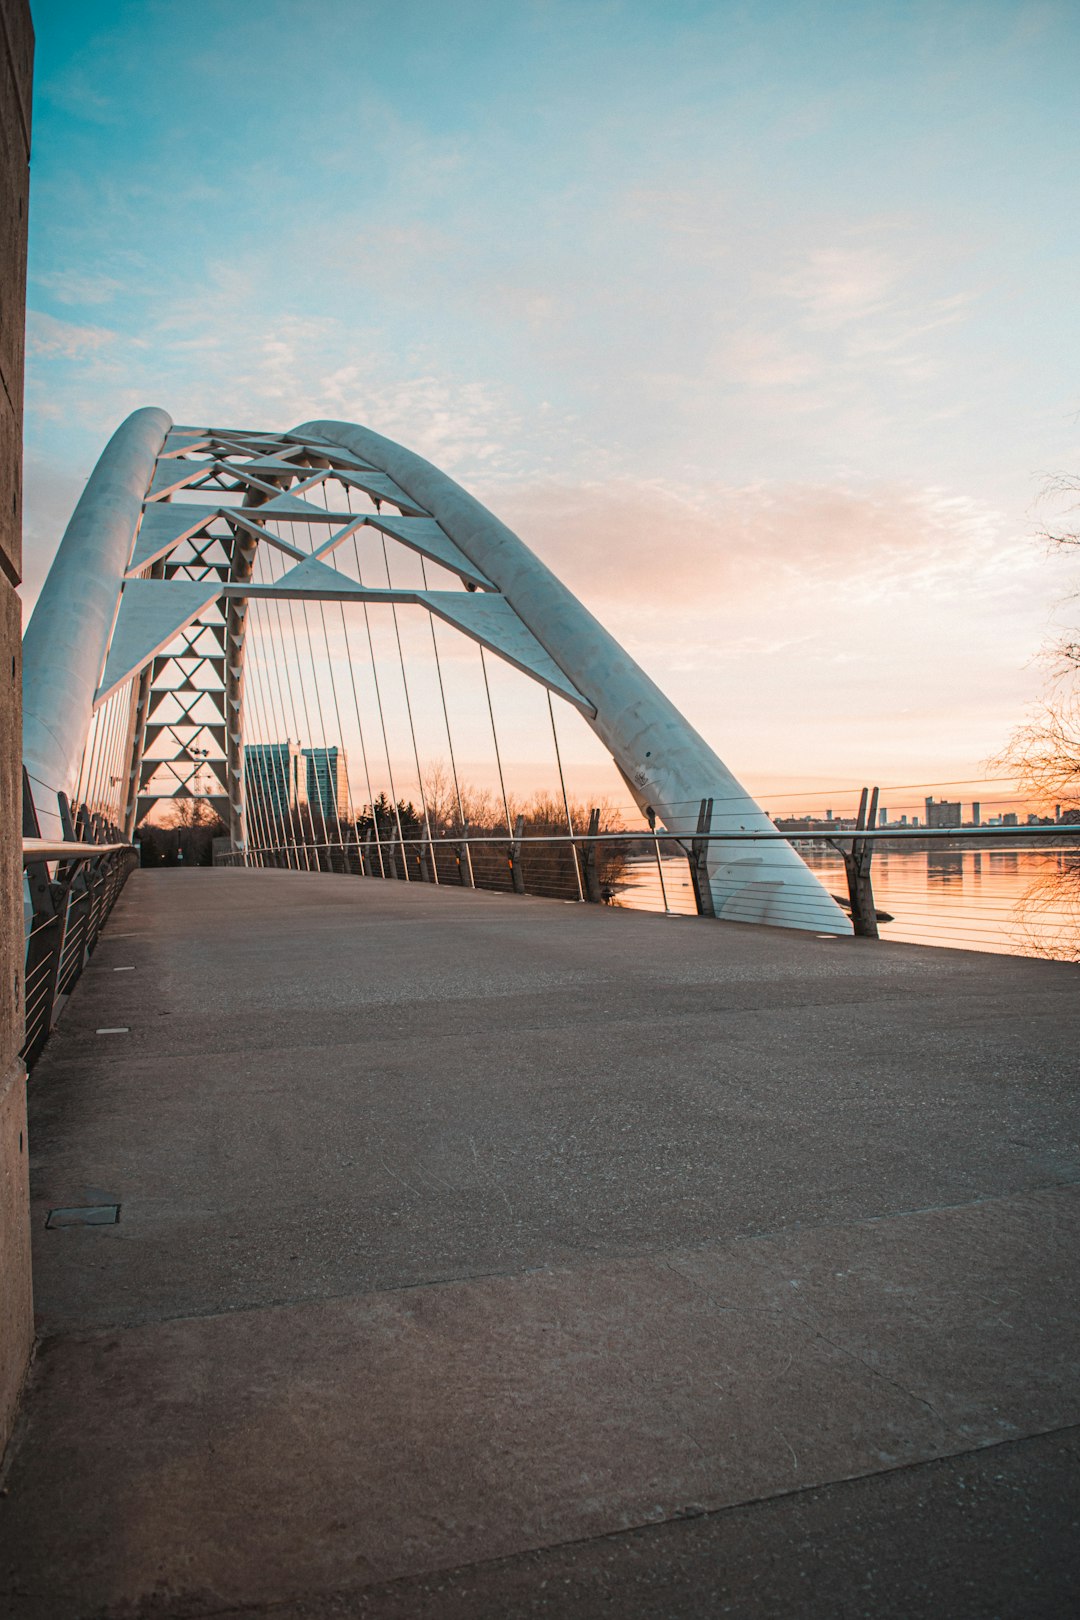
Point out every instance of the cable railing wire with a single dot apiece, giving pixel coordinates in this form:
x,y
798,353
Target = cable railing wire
x,y
989,916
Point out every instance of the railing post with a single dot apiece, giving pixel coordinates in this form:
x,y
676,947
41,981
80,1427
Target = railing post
x,y
466,876
650,816
517,875
699,862
590,876
857,865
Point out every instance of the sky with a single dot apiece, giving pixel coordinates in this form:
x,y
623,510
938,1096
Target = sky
x,y
757,322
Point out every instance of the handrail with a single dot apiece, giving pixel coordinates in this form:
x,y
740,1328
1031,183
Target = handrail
x,y
68,910
607,867
49,849
1063,830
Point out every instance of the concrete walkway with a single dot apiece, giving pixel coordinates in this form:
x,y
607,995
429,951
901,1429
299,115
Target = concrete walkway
x,y
483,1256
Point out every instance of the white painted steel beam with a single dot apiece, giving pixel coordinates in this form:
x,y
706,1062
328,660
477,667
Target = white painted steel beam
x,y
66,640
423,534
152,613
483,617
667,765
164,525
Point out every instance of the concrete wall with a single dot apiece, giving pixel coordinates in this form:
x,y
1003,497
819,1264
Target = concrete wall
x,y
16,1306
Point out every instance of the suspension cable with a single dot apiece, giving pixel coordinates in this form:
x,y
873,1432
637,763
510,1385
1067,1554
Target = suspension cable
x,y
313,752
562,784
382,721
273,666
359,725
337,710
284,662
495,738
446,722
408,710
254,688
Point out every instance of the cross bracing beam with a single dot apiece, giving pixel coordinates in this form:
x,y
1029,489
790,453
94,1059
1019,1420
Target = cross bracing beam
x,y
162,529
152,613
169,578
484,618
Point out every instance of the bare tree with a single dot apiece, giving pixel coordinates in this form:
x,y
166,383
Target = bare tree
x,y
192,812
1044,752
1044,755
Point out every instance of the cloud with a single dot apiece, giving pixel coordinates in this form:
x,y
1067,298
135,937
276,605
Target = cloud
x,y
79,286
51,339
675,551
837,285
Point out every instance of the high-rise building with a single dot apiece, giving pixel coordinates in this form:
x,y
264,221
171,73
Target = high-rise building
x,y
976,814
945,813
275,781
327,780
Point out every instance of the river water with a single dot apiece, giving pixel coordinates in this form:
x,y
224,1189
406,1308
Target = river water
x,y
1021,902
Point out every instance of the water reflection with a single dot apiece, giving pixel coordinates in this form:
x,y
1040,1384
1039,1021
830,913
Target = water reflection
x,y
1016,901
945,866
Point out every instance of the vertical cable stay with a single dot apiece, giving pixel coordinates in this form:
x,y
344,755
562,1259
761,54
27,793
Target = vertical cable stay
x,y
322,717
80,786
254,854
107,757
337,712
408,710
562,784
255,685
283,814
94,776
97,795
382,716
253,703
359,724
274,667
126,713
340,729
282,642
322,727
495,738
283,727
446,720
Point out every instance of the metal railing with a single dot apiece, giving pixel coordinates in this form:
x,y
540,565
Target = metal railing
x,y
963,887
71,885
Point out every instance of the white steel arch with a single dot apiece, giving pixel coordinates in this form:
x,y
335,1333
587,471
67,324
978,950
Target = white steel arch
x,y
112,603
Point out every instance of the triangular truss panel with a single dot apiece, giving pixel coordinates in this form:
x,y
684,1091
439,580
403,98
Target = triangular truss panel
x,y
424,535
152,613
490,620
163,527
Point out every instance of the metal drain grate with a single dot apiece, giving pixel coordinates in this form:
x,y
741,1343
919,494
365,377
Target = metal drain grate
x,y
84,1215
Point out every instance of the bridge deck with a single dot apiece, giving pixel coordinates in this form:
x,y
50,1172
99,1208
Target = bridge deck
x,y
491,1256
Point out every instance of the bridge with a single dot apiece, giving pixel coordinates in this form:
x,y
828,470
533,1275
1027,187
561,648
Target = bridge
x,y
411,1242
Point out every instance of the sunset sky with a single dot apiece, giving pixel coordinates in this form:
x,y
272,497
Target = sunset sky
x,y
757,322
